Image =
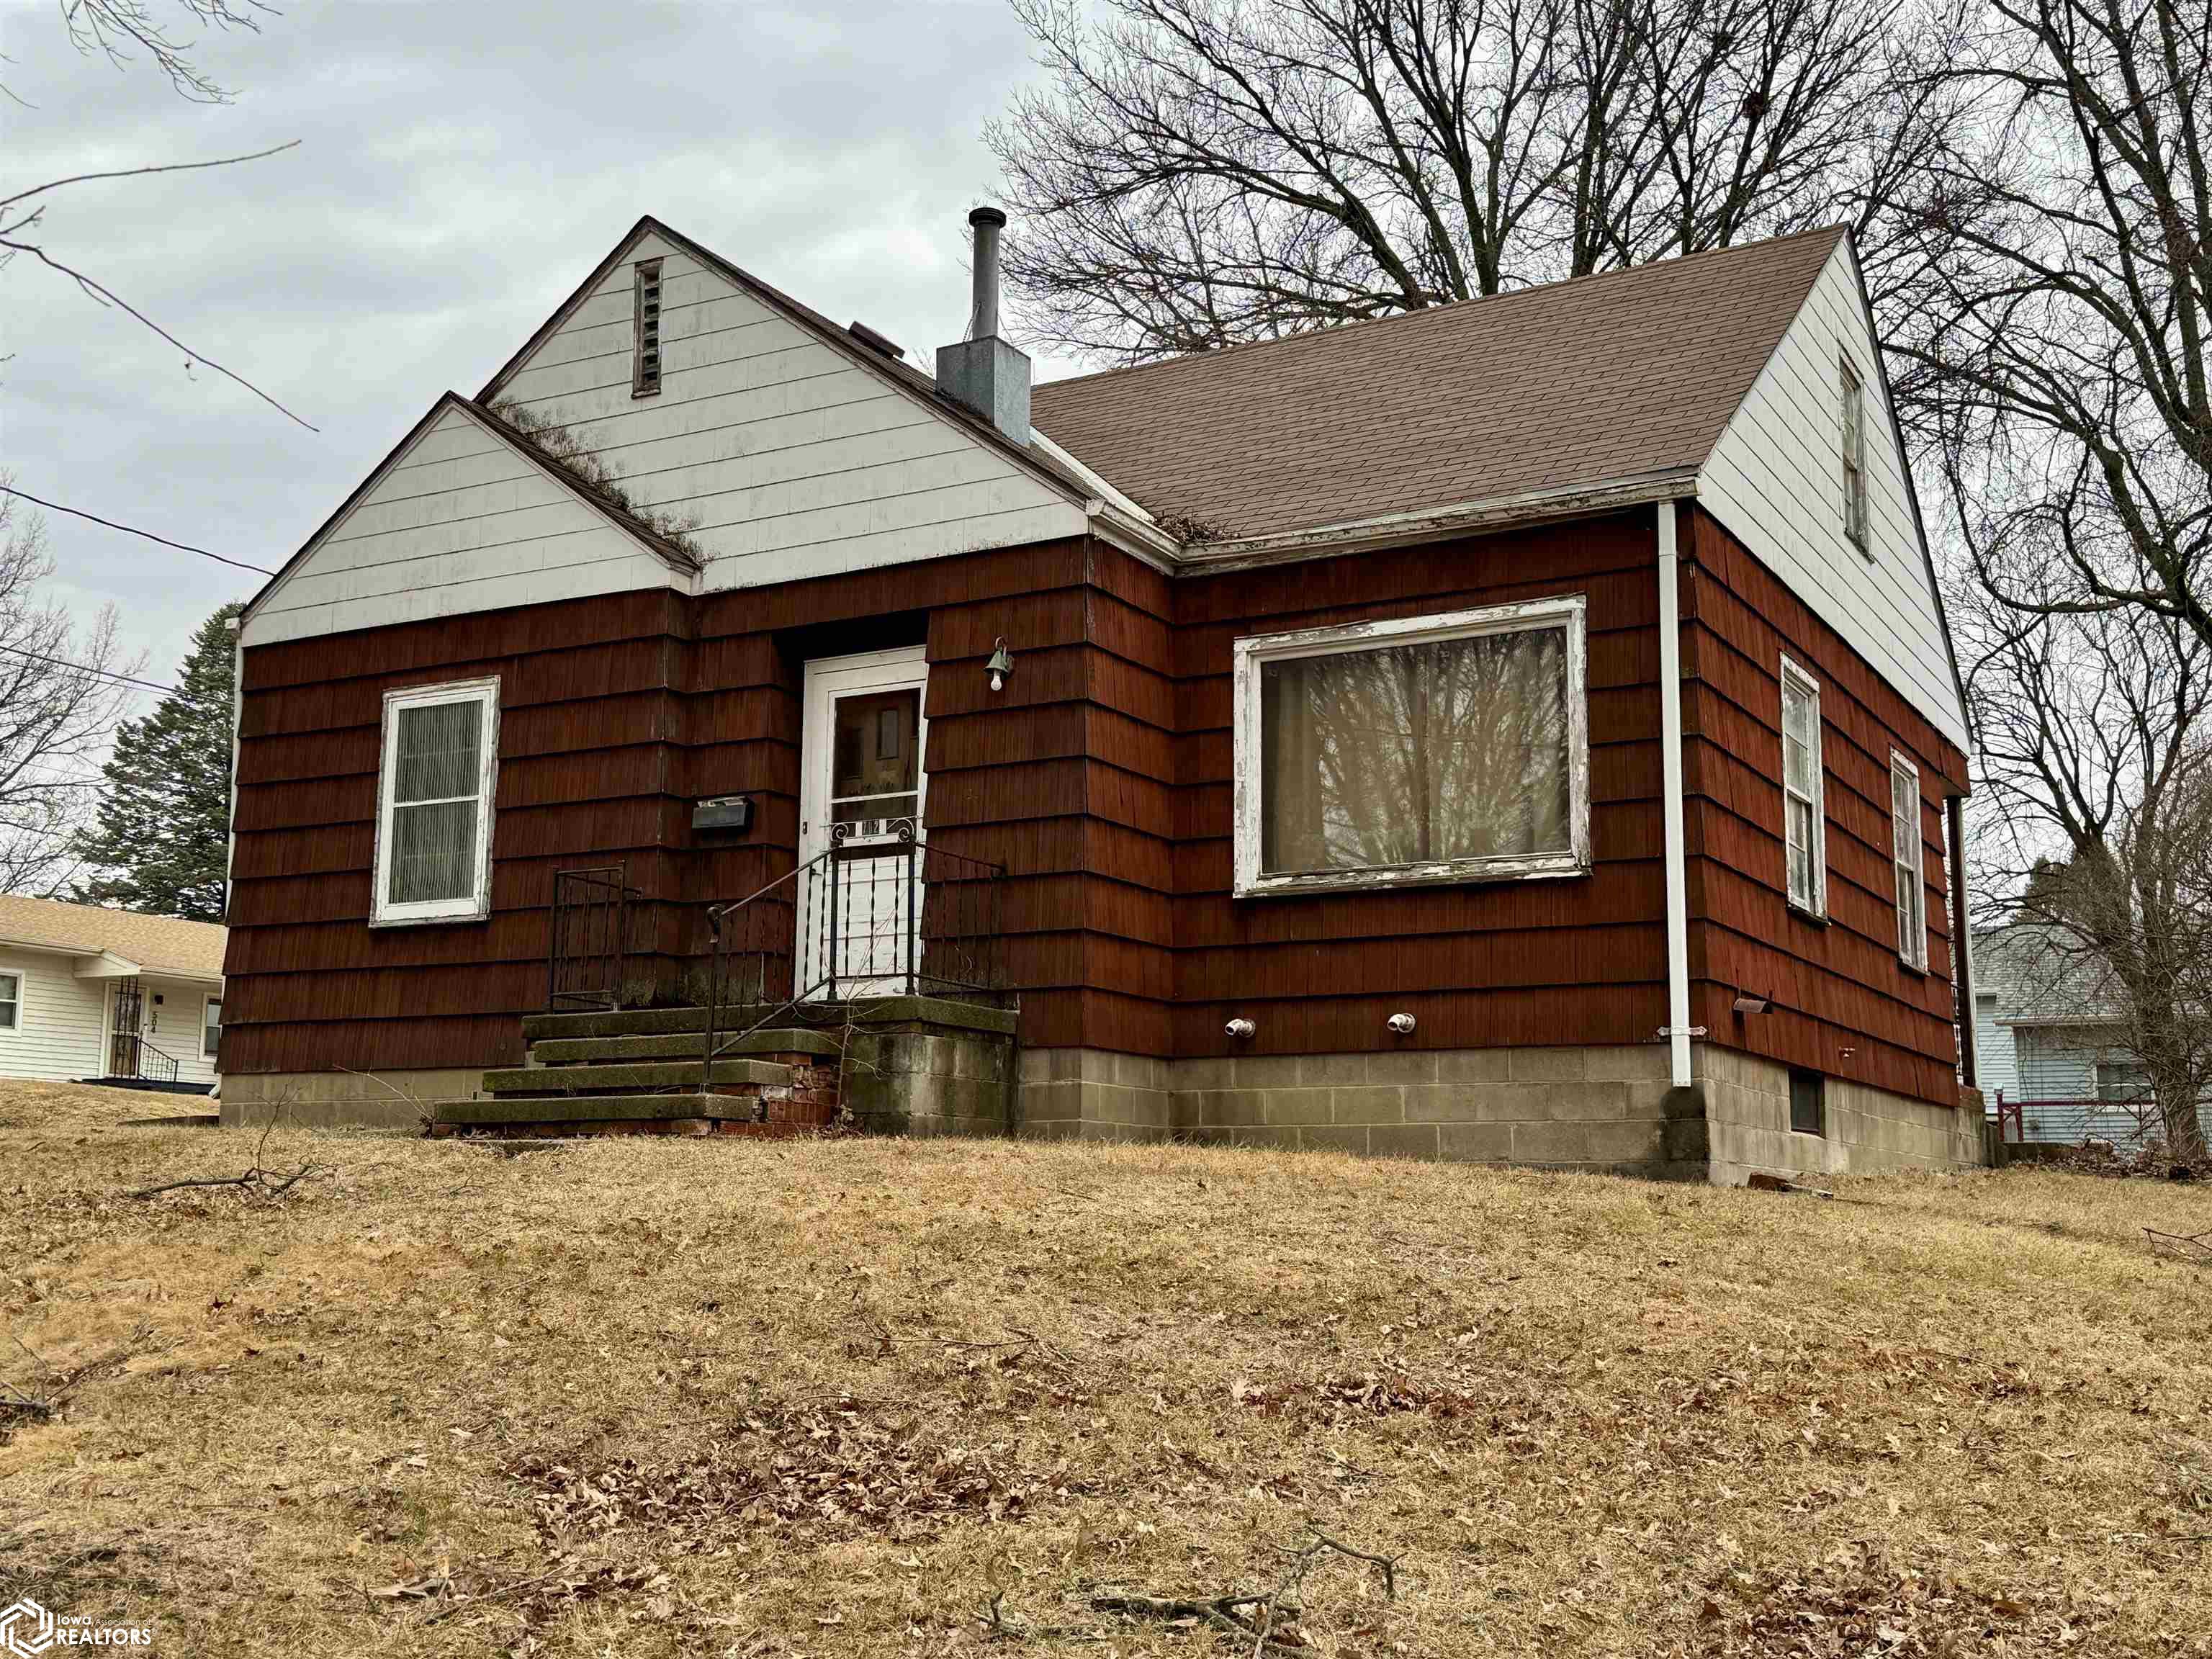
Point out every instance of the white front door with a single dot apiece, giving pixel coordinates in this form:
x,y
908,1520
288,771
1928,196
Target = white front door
x,y
861,787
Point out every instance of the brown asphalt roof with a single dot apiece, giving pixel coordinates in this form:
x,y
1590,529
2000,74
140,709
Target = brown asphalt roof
x,y
1588,381
159,944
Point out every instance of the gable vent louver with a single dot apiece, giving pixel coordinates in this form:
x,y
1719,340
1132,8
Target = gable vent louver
x,y
645,370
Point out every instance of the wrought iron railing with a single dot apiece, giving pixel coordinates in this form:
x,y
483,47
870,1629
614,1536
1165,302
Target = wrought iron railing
x,y
873,916
132,1055
593,913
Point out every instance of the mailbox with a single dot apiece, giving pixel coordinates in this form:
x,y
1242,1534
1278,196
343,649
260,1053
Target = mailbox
x,y
723,812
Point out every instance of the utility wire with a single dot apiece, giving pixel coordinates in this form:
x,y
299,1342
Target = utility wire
x,y
132,529
87,668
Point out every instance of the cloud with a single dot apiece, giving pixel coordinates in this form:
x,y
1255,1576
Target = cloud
x,y
461,167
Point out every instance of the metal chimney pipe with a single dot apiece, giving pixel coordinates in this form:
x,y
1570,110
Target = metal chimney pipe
x,y
983,319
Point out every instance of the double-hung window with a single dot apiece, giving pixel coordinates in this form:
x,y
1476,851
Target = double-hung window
x,y
211,1027
1803,809
11,1003
440,761
1904,859
1436,748
1855,486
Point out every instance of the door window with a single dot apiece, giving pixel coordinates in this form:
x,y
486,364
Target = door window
x,y
875,758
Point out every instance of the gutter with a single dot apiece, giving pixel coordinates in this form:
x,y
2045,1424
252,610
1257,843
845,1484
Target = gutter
x,y
1677,1030
1402,529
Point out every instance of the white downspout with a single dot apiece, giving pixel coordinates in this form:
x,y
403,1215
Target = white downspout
x,y
1670,741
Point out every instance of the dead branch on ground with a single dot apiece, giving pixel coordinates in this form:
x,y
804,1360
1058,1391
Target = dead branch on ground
x,y
2190,1247
259,1180
1267,1620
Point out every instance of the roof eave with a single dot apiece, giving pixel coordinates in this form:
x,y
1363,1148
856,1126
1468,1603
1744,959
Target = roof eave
x,y
1482,516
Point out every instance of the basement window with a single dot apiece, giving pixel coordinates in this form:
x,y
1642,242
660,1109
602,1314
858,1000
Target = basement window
x,y
11,1002
1806,857
1855,486
1808,1103
645,369
440,761
1904,859
1448,748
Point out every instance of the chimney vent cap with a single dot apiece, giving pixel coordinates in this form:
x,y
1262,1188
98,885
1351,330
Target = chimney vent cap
x,y
987,215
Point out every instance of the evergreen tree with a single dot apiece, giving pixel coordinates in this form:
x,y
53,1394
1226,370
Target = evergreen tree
x,y
162,835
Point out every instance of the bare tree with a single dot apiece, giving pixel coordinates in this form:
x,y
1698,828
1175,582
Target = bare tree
x,y
1201,171
121,29
2093,740
2053,316
58,705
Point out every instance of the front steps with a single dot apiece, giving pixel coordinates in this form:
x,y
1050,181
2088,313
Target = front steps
x,y
639,1073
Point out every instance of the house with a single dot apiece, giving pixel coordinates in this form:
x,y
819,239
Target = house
x,y
108,996
2051,1029
1522,730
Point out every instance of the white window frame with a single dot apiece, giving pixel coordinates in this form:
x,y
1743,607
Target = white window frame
x,y
1568,613
1913,951
1792,675
1854,458
207,1003
476,904
20,995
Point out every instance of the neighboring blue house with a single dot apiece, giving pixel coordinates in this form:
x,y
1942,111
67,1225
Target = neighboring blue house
x,y
2051,1039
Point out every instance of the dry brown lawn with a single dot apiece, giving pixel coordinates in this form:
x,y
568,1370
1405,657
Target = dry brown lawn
x,y
638,1398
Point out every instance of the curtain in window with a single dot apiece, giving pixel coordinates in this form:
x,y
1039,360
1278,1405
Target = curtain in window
x,y
437,761
1905,828
1800,751
1414,753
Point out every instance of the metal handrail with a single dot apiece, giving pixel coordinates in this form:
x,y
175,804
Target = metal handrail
x,y
588,922
936,915
140,1049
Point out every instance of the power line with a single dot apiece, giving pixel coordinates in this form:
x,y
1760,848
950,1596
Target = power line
x,y
132,530
87,668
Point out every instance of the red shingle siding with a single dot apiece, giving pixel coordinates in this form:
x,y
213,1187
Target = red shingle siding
x,y
1843,1003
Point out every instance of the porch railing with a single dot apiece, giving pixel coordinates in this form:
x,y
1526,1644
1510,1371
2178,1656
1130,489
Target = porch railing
x,y
870,917
592,916
133,1057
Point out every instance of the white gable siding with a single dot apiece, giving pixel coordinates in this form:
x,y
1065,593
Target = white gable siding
x,y
173,1027
458,521
1776,480
793,459
62,1020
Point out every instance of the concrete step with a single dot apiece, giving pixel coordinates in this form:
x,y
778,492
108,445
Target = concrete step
x,y
593,1108
613,1079
876,1011
640,1022
596,1051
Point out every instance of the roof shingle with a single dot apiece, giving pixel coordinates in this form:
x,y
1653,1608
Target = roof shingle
x,y
159,944
1595,381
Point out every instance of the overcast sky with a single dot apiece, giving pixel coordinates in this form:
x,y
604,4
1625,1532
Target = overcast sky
x,y
462,165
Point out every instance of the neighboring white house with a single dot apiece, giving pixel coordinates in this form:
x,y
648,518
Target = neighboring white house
x,y
90,993
2050,1036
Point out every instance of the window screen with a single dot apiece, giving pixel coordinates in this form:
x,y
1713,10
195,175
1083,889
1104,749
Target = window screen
x,y
1406,755
434,841
1855,491
1905,839
1802,788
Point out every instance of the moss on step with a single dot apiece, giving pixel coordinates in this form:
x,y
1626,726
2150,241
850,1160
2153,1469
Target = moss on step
x,y
573,1051
608,1080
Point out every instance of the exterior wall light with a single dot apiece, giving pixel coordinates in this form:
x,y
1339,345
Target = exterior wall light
x,y
1401,1023
1240,1029
1001,665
